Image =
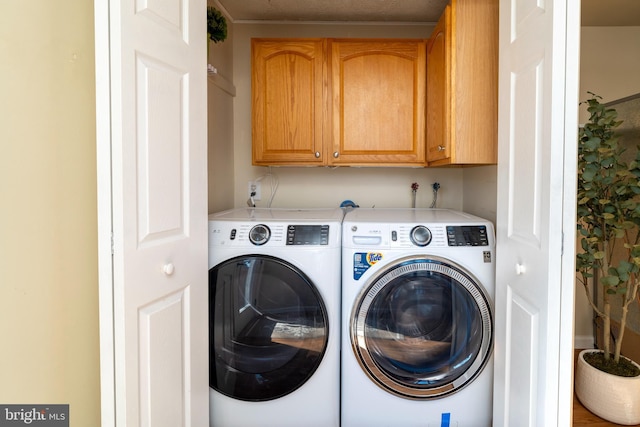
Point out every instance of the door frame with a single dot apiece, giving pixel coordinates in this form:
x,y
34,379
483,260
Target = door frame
x,y
104,187
105,238
570,166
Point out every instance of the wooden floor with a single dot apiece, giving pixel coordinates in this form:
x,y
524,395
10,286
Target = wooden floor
x,y
582,417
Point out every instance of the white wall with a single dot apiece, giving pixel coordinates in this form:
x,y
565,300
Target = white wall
x,y
609,63
480,191
220,148
221,93
328,187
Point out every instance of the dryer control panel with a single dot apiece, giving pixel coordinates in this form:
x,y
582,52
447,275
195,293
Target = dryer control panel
x,y
308,234
226,234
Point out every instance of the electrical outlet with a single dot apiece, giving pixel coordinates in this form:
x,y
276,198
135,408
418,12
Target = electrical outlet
x,y
254,187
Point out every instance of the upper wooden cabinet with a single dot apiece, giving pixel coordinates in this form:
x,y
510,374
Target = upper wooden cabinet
x,y
378,102
289,81
338,102
439,89
462,85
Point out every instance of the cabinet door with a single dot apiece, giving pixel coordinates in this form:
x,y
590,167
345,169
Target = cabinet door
x,y
462,91
288,78
438,89
378,102
475,81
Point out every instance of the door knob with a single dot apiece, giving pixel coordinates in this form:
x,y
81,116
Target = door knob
x,y
440,147
168,269
520,269
317,154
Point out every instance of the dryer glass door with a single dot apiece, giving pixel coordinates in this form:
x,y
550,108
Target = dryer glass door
x,y
268,328
422,328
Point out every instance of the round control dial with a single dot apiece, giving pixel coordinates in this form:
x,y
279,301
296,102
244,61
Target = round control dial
x,y
259,234
420,235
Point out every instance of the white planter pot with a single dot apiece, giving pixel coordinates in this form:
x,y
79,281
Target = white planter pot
x,y
613,398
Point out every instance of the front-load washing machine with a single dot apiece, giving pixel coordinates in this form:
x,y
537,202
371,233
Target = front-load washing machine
x,y
274,317
417,334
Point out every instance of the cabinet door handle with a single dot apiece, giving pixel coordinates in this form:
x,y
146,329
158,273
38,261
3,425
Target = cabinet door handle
x,y
317,154
441,148
335,155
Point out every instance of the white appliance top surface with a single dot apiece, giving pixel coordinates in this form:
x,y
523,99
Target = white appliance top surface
x,y
279,214
407,215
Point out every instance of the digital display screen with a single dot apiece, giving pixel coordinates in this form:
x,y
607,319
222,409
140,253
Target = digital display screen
x,y
308,235
467,235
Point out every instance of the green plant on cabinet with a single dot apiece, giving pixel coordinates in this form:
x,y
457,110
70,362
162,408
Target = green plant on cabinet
x,y
216,25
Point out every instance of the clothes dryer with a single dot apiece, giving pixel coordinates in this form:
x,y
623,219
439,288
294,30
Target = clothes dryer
x,y
417,334
274,317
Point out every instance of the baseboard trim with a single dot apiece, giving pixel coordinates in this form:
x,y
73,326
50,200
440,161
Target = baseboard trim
x,y
583,341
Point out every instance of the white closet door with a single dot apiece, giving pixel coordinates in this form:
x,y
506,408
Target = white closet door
x,y
538,102
152,151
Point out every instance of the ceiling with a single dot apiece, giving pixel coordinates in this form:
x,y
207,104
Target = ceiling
x,y
335,10
594,12
611,13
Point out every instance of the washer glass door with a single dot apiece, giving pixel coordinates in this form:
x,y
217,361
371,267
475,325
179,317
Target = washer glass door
x,y
422,328
268,328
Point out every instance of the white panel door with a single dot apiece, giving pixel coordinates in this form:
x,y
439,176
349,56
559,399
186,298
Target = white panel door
x,y
154,285
538,104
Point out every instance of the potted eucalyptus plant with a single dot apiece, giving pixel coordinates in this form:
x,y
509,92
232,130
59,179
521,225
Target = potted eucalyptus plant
x,y
609,260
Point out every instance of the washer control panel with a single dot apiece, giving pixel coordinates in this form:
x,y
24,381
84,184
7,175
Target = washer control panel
x,y
467,235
